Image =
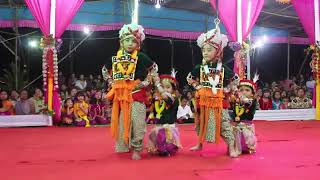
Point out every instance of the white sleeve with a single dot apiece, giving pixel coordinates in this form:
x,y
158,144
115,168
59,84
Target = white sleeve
x,y
189,111
180,112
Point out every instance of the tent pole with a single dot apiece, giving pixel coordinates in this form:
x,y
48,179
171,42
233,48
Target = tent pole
x,y
249,61
239,21
135,13
317,39
288,58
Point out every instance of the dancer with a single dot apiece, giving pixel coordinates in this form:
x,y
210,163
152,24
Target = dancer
x,y
208,79
244,109
164,138
130,71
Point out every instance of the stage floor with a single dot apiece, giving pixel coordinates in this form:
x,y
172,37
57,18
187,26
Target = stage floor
x,y
286,150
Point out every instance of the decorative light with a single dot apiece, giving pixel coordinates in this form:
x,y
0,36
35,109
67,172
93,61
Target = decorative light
x,y
33,43
158,6
284,1
86,30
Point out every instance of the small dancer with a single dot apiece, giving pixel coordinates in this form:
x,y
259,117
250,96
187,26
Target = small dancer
x,y
164,138
244,109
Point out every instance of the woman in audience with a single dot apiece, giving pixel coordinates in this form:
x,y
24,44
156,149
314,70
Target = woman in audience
x,y
67,112
301,101
38,101
276,101
266,102
14,97
6,106
284,94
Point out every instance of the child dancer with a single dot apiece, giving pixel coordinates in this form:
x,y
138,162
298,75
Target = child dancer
x,y
244,110
208,80
128,72
164,138
81,110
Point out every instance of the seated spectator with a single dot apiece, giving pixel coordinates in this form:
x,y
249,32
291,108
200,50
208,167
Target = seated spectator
x,y
184,113
14,97
24,106
97,110
81,84
285,103
73,94
67,112
300,102
72,80
284,94
81,110
6,106
265,102
99,82
38,101
276,101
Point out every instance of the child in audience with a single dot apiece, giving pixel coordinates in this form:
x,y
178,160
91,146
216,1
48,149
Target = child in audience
x,y
276,101
81,110
285,103
67,112
266,102
184,113
6,106
97,110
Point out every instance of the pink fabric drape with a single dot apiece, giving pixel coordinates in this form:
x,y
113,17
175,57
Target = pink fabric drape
x,y
305,11
41,12
65,11
228,15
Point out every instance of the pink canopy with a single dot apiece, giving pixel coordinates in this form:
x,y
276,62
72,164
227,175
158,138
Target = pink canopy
x,y
65,11
228,14
305,11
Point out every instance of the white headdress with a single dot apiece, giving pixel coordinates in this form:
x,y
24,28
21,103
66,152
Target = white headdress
x,y
132,30
213,38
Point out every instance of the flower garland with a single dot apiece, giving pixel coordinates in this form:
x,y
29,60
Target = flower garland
x,y
240,55
314,49
45,68
131,67
239,110
159,109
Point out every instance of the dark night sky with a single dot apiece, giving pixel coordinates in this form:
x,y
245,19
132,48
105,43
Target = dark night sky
x,y
92,54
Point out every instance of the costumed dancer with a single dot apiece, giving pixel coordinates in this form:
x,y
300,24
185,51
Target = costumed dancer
x,y
208,79
244,108
164,138
129,70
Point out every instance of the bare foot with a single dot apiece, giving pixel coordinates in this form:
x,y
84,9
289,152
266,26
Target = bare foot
x,y
234,154
136,155
196,148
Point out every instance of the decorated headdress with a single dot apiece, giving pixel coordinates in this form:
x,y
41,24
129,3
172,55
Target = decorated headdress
x,y
165,78
252,84
132,30
214,38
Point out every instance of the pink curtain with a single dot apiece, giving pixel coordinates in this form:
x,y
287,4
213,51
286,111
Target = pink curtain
x,y
228,15
40,10
65,11
305,11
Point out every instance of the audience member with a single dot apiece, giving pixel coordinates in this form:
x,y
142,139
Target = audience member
x,y
24,106
81,84
266,102
67,112
184,113
38,101
6,106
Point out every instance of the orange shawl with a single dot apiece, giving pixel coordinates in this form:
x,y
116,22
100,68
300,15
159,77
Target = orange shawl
x,y
121,94
207,101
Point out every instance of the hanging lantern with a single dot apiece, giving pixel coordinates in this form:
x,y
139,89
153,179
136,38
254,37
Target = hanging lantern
x,y
284,1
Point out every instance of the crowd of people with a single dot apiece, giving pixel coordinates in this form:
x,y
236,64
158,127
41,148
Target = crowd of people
x,y
83,99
